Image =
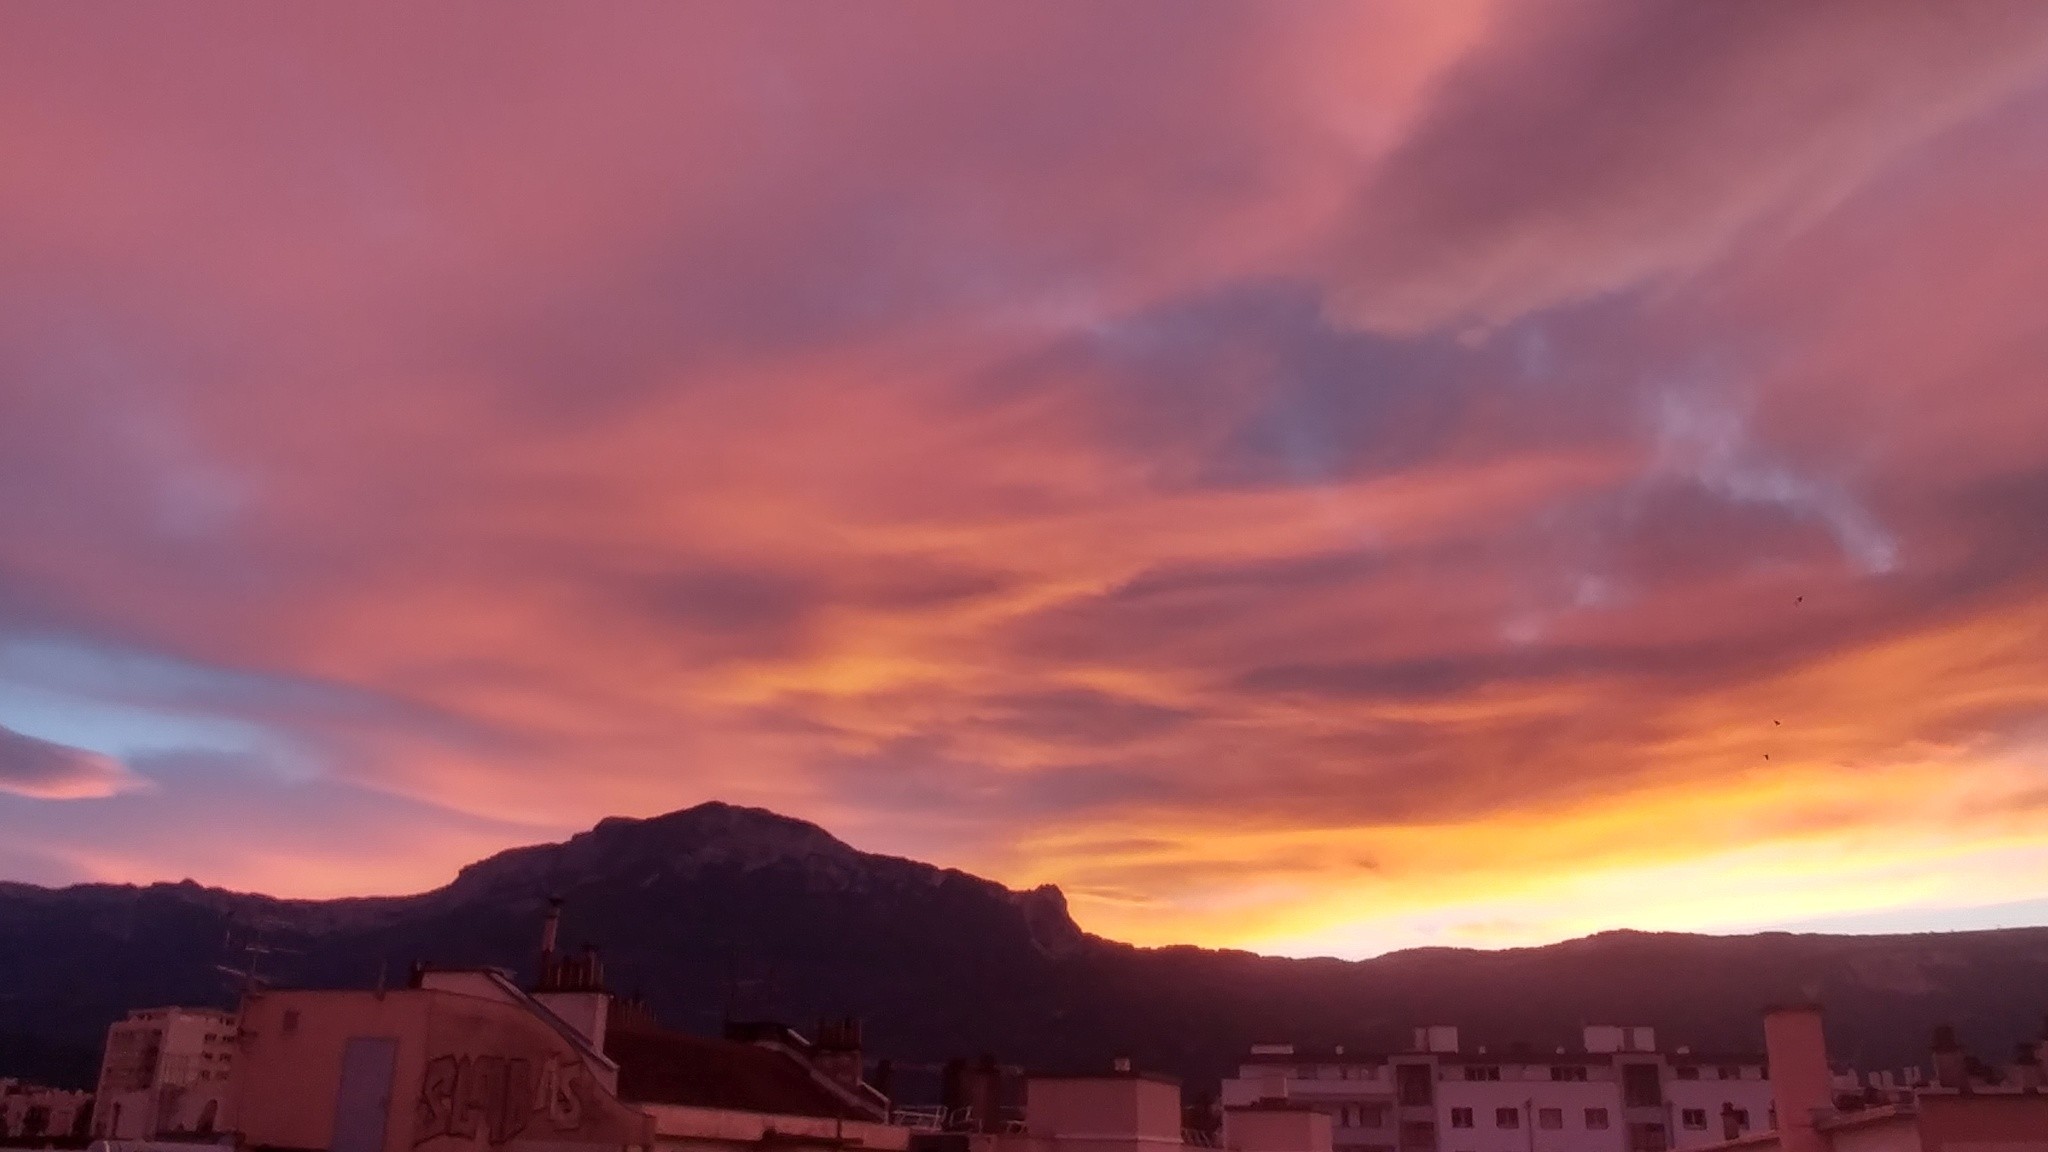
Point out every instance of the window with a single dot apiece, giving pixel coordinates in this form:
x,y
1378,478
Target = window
x,y
1596,1119
1362,1115
291,1020
1693,1118
1482,1072
1729,1072
1647,1138
1550,1119
1741,1119
1417,1089
1687,1072
1418,1135
1461,1118
1575,1073
1507,1117
1641,1087
1305,1072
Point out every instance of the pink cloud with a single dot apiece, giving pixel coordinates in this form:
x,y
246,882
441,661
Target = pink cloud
x,y
986,432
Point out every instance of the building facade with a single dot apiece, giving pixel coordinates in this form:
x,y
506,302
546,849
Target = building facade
x,y
1618,1092
30,1112
167,1072
1967,1107
467,1061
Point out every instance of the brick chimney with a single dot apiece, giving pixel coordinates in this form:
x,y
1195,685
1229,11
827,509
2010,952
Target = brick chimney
x,y
550,930
1802,1084
2026,1067
837,1052
1951,1066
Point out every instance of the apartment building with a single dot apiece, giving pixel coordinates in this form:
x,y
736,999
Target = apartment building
x,y
1617,1092
1969,1106
166,1072
32,1113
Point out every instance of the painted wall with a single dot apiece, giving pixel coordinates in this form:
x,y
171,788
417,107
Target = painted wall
x,y
292,1047
471,1073
1898,1135
1276,1130
1527,1090
1984,1123
1709,1094
1103,1114
677,1125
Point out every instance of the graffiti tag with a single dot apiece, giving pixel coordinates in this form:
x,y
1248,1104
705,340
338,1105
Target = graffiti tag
x,y
496,1098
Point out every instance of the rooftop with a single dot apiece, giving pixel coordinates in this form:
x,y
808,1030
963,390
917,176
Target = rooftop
x,y
657,1066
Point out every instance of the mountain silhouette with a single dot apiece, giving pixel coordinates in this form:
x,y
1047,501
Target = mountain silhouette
x,y
719,912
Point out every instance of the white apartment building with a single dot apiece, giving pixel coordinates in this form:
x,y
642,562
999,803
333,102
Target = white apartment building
x,y
1618,1092
166,1071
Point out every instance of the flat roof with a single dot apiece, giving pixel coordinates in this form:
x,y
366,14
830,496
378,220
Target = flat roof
x,y
1155,1077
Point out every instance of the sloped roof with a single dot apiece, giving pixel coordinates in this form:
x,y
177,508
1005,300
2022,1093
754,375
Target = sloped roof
x,y
657,1066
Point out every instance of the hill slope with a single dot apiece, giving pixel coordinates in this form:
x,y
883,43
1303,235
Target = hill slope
x,y
718,911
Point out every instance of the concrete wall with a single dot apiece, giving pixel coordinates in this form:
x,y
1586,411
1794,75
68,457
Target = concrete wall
x,y
1129,1110
677,1126
1276,1130
1900,1134
1527,1090
292,1046
1709,1094
471,1073
1984,1123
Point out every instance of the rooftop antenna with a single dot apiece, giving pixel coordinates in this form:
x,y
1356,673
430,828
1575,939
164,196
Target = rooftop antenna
x,y
550,936
247,979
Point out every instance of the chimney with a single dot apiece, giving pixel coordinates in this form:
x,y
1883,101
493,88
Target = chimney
x,y
953,1089
550,929
837,1052
572,988
1731,1122
2026,1070
1951,1066
972,1095
1802,1085
985,1094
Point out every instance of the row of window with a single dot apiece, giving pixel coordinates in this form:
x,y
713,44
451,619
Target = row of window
x,y
1696,1118
1551,1119
1563,1073
1570,1073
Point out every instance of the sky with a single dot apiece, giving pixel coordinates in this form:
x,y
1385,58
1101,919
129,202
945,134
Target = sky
x,y
1312,477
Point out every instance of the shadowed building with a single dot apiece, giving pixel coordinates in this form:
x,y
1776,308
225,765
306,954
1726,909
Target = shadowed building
x,y
1618,1092
1969,1107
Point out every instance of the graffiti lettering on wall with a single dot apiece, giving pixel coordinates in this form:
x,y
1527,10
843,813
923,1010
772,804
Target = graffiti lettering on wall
x,y
495,1098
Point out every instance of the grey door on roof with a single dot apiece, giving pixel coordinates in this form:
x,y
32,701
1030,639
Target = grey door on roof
x,y
362,1105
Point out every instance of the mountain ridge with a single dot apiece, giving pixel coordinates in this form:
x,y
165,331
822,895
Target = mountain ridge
x,y
719,912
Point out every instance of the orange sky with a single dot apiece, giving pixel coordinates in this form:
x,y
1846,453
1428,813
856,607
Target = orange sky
x,y
1313,478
